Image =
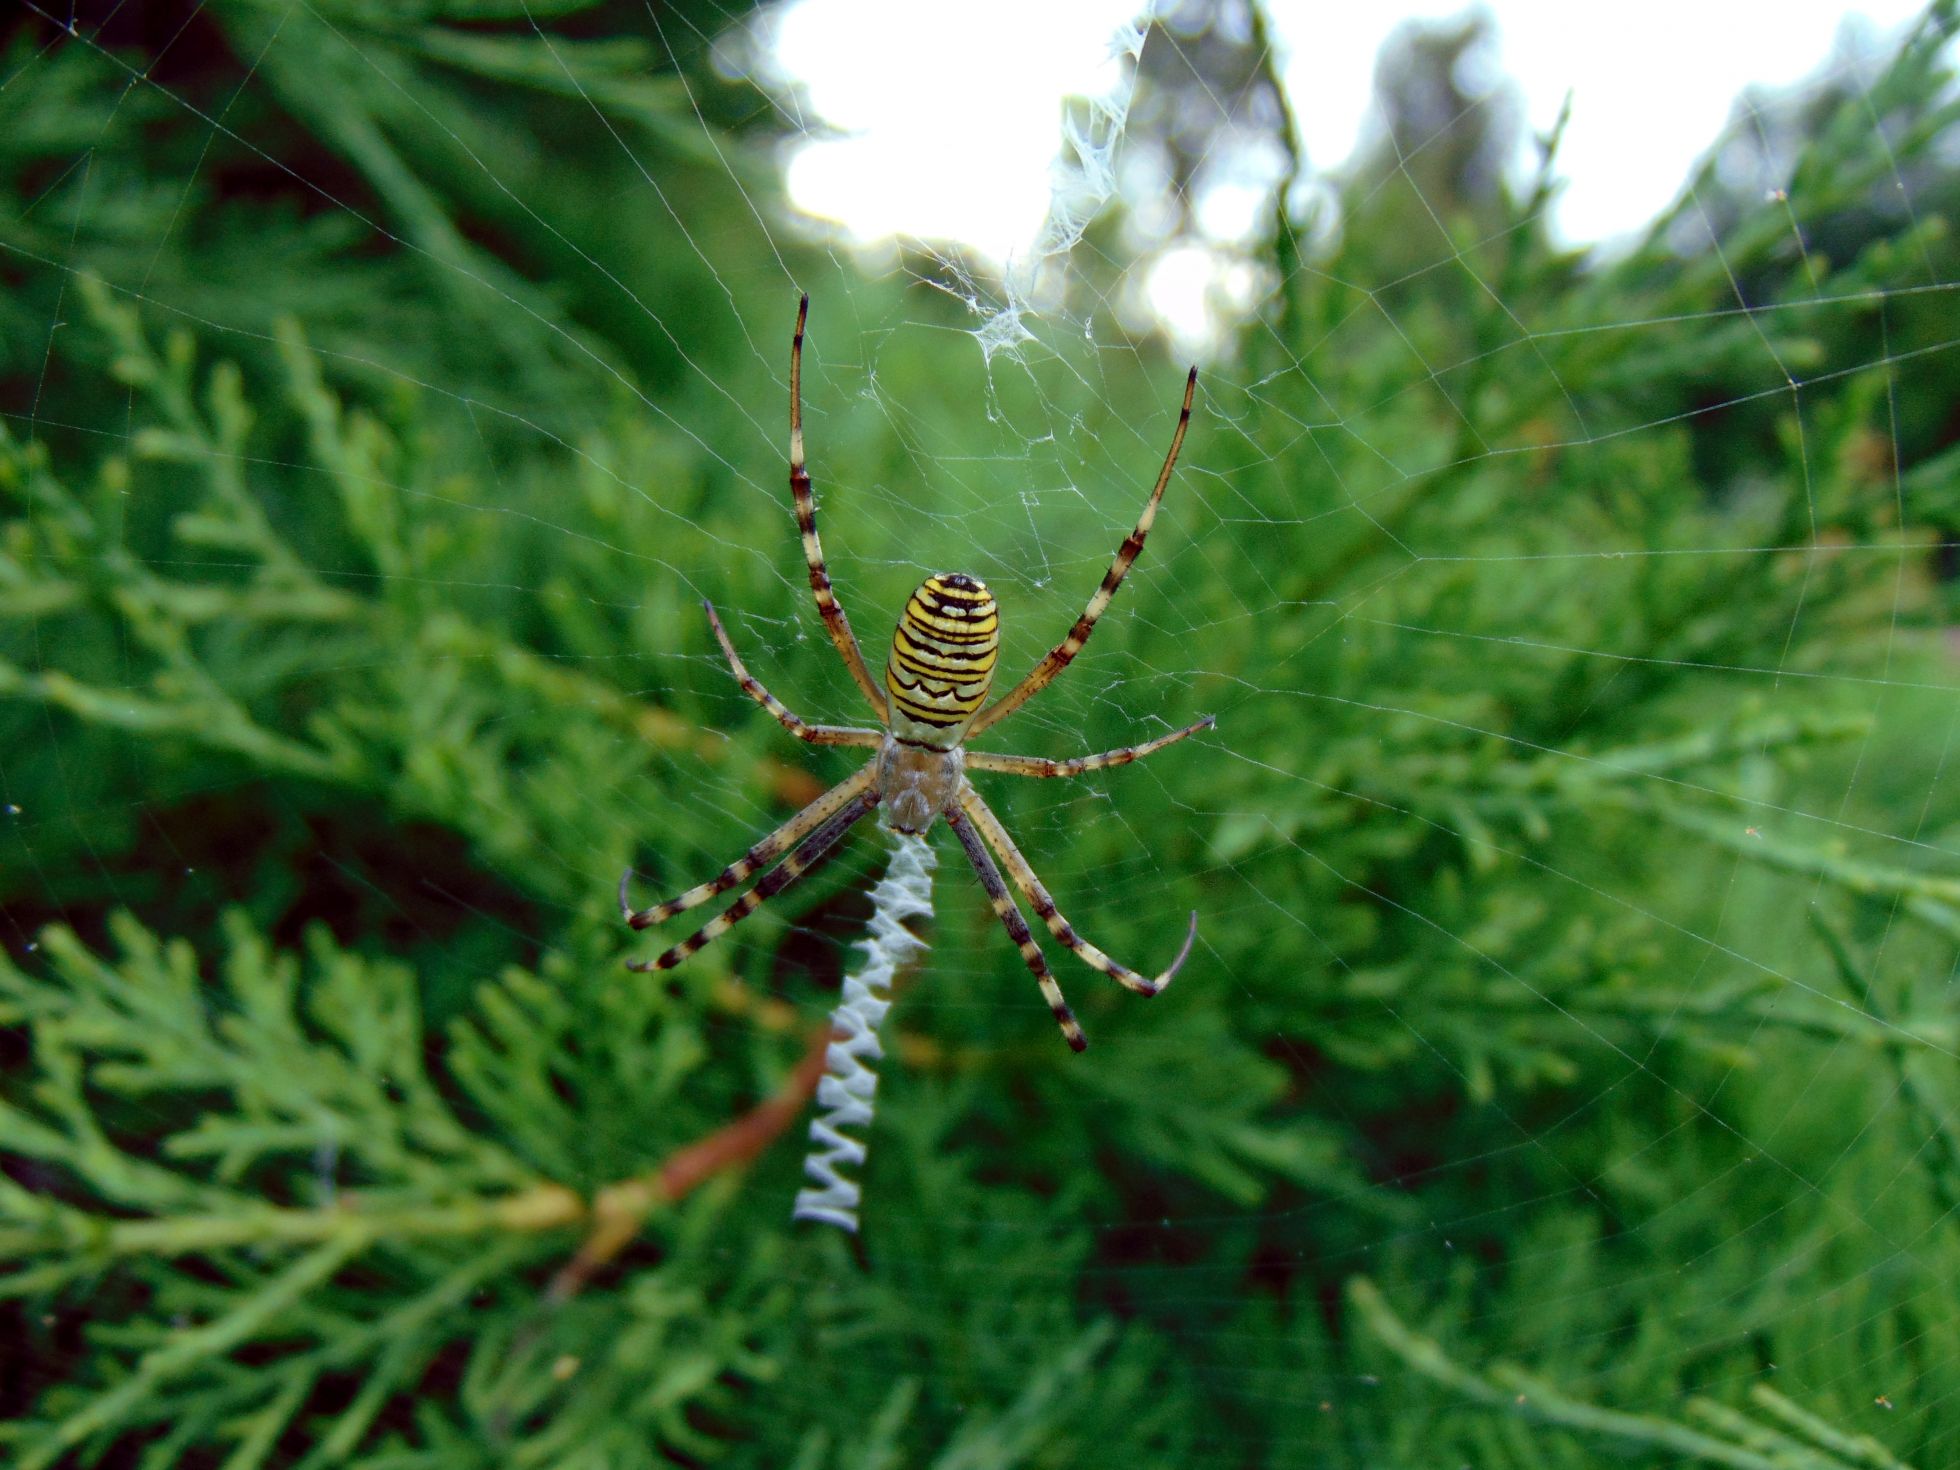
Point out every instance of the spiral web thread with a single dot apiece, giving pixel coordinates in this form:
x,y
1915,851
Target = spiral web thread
x,y
849,1087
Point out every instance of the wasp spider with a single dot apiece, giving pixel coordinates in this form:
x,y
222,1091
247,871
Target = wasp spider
x,y
942,661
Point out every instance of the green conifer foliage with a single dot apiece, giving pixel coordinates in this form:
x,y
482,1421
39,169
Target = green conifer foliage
x,y
1565,1074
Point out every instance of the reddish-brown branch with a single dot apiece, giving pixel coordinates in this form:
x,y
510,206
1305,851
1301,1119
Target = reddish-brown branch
x,y
620,1209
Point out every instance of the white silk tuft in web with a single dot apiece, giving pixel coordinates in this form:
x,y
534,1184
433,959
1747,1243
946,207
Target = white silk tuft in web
x,y
1084,174
1082,181
849,1088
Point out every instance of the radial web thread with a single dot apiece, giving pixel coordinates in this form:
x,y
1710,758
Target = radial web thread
x,y
849,1087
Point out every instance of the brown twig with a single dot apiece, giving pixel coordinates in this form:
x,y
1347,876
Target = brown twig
x,y
620,1209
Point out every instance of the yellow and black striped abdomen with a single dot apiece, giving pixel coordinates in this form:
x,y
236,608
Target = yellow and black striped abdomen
x,y
942,659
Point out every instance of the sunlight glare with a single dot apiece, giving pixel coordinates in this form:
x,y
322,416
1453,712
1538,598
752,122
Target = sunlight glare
x,y
947,117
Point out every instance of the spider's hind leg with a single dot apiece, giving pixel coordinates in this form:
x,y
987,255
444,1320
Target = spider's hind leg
x,y
1058,657
787,718
828,607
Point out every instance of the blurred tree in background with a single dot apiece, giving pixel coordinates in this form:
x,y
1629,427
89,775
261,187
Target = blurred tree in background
x,y
383,387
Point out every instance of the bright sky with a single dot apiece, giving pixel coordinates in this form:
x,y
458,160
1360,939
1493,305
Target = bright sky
x,y
953,109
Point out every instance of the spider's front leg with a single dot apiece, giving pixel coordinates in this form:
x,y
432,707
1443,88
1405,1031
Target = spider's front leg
x,y
1025,878
1017,927
814,850
754,860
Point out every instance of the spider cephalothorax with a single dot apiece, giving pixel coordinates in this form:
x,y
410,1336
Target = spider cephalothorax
x,y
941,666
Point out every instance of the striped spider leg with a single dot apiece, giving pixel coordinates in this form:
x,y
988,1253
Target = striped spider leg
x,y
814,849
1023,873
833,802
1039,765
752,686
831,609
940,667
978,829
1017,927
818,827
1058,657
